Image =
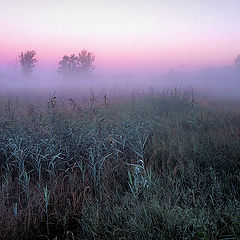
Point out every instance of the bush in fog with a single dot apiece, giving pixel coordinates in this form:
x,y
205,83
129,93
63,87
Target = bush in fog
x,y
75,65
27,62
237,62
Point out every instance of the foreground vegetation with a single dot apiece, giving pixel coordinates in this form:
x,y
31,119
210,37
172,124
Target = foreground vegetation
x,y
163,166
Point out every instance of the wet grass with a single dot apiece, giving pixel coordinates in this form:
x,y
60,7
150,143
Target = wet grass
x,y
162,166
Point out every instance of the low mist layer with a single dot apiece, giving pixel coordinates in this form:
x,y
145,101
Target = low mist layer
x,y
224,83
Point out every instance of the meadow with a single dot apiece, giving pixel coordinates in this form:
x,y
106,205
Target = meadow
x,y
158,165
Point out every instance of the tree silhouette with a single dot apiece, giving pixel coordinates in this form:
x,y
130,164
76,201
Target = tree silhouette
x,y
86,59
27,62
68,65
237,62
76,65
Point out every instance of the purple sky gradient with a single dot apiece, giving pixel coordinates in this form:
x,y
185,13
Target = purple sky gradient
x,y
126,36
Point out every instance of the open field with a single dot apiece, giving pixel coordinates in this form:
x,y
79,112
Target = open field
x,y
164,165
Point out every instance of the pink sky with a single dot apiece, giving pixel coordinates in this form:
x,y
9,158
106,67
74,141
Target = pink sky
x,y
126,35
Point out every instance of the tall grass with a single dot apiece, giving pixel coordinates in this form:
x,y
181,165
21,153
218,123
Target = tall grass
x,y
160,166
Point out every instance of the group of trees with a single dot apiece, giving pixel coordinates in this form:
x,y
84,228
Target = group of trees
x,y
77,64
73,65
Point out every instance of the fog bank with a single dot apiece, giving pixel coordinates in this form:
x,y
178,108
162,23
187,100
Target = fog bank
x,y
210,82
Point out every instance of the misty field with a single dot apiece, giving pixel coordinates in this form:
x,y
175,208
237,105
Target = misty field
x,y
161,165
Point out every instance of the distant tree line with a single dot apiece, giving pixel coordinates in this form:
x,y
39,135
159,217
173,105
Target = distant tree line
x,y
237,62
70,66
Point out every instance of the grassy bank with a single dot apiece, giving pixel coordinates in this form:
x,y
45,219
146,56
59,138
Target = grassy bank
x,y
163,166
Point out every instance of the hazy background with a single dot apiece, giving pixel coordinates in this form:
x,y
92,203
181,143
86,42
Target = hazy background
x,y
137,43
